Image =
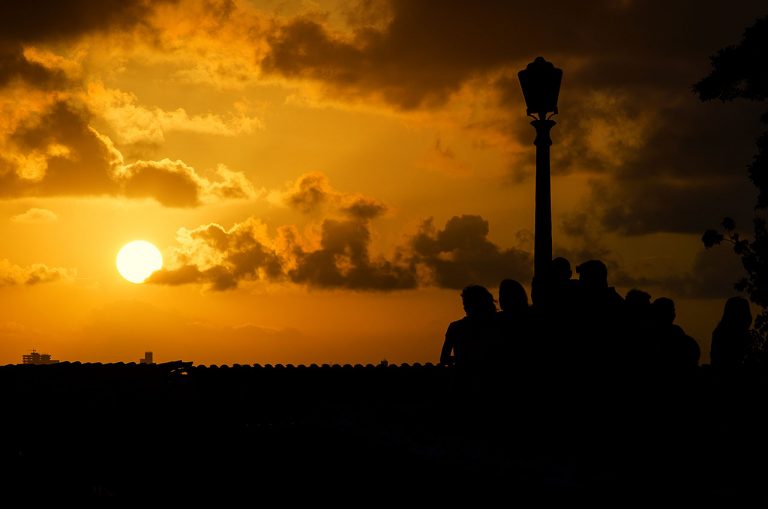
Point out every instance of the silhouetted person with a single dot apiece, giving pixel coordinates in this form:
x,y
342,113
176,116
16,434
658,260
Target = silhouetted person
x,y
560,269
637,301
599,311
638,328
516,346
554,315
732,339
553,284
561,288
513,298
469,341
676,352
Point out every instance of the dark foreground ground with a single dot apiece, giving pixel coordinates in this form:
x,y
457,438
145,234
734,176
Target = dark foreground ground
x,y
365,435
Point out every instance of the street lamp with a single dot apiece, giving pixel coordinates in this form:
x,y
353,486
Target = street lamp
x,y
540,82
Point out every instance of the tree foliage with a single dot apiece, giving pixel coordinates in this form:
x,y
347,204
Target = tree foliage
x,y
741,72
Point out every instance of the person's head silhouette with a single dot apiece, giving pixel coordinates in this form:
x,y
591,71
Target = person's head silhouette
x,y
664,311
477,301
593,274
737,313
637,299
512,296
560,269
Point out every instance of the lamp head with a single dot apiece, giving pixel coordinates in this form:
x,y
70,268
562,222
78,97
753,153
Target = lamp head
x,y
540,82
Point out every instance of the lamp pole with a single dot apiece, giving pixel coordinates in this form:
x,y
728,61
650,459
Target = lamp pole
x,y
542,246
540,82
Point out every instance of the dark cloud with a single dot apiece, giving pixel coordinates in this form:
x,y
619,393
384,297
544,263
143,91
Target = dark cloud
x,y
182,275
454,257
714,273
40,20
312,193
363,208
15,66
222,258
639,206
169,182
61,155
425,51
689,174
461,254
343,261
309,193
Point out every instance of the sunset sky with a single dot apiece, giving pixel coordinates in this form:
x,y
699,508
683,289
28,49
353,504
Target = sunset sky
x,y
323,177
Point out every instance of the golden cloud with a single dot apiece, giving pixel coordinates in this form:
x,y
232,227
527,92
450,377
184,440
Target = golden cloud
x,y
36,216
58,153
313,194
222,258
15,275
133,123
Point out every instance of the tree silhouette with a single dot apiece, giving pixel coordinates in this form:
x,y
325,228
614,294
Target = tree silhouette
x,y
741,72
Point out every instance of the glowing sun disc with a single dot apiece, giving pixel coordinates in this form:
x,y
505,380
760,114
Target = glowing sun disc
x,y
137,260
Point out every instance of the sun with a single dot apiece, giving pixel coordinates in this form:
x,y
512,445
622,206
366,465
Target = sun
x,y
137,260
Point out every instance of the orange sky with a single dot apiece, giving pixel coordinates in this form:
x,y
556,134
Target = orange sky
x,y
323,177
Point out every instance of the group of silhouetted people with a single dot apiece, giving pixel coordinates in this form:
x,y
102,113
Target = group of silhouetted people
x,y
586,324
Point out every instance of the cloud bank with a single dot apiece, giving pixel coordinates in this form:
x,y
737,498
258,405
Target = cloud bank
x,y
339,257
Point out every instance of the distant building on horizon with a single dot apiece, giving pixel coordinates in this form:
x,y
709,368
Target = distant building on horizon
x,y
37,358
148,358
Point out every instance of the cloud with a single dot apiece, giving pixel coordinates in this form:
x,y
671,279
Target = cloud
x,y
133,123
313,194
362,207
15,66
340,258
407,52
343,261
685,176
648,205
48,143
461,254
310,193
36,216
713,275
221,258
172,183
26,23
58,153
39,20
176,184
14,275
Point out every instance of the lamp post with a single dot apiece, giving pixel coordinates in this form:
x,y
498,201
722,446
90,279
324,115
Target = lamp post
x,y
540,82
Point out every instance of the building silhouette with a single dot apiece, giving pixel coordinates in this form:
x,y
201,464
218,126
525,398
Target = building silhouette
x,y
37,358
148,358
